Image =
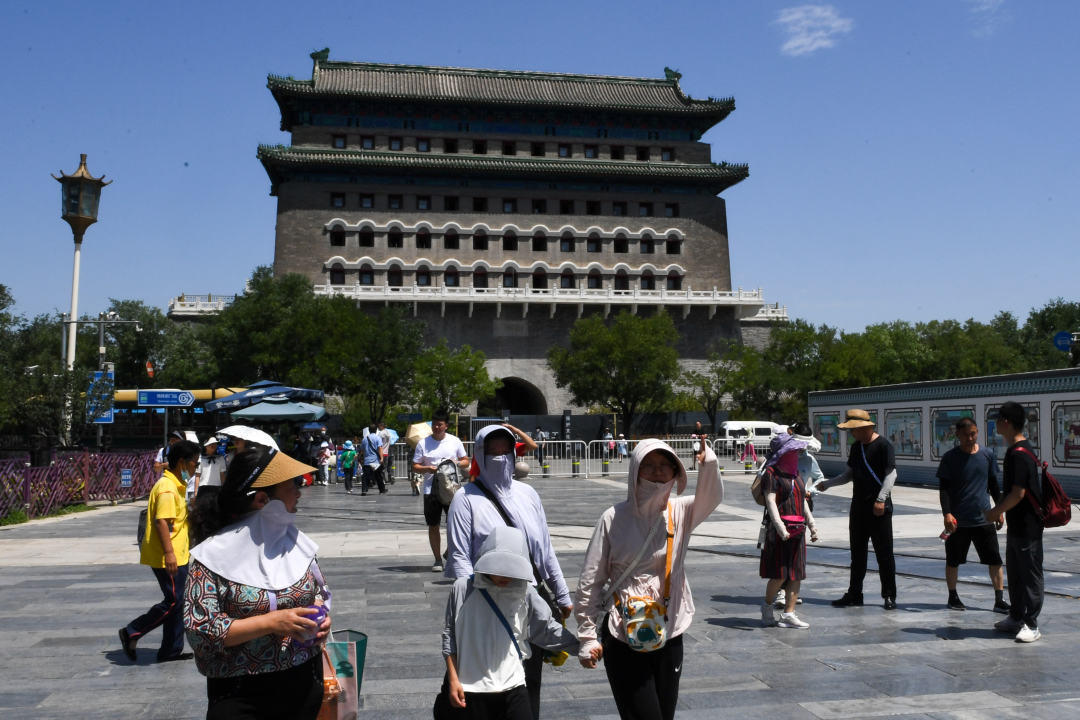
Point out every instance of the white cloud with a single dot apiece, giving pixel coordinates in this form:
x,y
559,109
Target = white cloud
x,y
812,27
986,15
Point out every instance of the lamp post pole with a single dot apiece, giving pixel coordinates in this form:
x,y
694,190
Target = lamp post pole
x,y
80,193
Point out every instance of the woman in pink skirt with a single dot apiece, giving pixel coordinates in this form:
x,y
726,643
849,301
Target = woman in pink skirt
x,y
783,557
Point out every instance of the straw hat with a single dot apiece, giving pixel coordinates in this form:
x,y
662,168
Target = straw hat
x,y
856,419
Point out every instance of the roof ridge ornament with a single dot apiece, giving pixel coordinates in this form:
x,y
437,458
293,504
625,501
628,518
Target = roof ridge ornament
x,y
672,75
319,56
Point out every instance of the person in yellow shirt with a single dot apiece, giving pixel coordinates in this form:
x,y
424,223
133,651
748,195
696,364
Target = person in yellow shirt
x,y
165,549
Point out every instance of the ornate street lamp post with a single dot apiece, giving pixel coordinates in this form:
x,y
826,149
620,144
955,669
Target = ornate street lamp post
x,y
79,195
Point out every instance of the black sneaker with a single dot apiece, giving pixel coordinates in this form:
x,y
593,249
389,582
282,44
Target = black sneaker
x,y
890,603
956,604
1002,607
848,600
127,644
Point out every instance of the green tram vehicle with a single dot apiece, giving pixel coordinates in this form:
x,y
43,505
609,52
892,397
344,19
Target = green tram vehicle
x,y
919,420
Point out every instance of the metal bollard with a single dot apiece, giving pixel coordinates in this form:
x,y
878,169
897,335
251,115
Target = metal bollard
x,y
546,469
575,466
605,466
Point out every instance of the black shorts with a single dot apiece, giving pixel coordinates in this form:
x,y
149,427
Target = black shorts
x,y
986,544
433,509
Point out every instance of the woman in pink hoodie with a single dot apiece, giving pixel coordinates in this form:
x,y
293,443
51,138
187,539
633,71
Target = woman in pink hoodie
x,y
633,601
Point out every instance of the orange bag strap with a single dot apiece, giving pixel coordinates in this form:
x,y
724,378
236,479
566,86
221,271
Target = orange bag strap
x,y
667,560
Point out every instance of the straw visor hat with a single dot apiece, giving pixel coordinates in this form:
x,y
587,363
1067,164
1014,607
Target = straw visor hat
x,y
857,419
274,467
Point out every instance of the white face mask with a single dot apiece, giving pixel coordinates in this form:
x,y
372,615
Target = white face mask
x,y
652,497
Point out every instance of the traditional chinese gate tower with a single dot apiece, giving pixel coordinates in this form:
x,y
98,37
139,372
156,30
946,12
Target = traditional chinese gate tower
x,y
502,205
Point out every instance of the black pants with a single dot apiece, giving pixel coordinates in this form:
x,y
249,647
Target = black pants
x,y
294,694
371,477
1024,564
645,685
169,614
533,667
348,474
864,526
510,705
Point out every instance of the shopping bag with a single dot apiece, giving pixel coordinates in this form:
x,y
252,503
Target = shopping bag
x,y
343,665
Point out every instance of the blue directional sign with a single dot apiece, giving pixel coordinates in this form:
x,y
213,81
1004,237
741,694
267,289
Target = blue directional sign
x,y
100,391
1063,340
125,477
165,398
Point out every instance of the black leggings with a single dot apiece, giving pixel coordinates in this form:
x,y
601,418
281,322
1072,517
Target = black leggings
x,y
645,684
293,694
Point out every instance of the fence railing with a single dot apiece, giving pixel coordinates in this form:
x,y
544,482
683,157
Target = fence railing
x,y
598,458
73,478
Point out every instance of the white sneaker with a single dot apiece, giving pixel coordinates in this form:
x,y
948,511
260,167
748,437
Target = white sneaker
x,y
791,620
1008,625
1028,634
437,567
781,599
768,615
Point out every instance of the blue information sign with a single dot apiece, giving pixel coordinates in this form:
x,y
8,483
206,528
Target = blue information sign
x,y
165,398
1063,340
99,409
125,478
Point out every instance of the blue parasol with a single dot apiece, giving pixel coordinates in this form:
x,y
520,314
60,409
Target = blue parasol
x,y
280,408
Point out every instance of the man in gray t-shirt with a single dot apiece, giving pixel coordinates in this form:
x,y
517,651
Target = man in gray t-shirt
x,y
967,478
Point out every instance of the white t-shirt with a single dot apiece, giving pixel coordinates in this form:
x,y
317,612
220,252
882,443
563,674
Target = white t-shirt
x,y
430,451
211,470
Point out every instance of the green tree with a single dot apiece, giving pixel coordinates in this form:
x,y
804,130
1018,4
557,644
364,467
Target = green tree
x,y
451,379
1038,332
629,365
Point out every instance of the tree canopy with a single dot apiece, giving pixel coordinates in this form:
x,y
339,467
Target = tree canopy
x,y
629,365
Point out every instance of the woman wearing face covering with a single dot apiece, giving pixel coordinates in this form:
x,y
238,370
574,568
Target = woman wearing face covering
x,y
252,578
783,557
474,514
633,601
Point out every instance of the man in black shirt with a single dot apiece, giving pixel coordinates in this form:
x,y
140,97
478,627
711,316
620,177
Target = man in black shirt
x,y
872,467
967,479
1023,537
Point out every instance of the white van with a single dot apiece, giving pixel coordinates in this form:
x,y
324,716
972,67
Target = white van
x,y
738,431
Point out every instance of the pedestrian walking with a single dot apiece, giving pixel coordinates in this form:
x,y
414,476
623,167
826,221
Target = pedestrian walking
x,y
495,622
386,465
623,447
255,590
372,461
430,451
164,549
211,470
347,461
871,465
495,500
967,479
633,601
1024,529
323,460
783,556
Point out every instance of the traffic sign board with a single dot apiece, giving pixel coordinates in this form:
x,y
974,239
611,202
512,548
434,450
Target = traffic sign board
x,y
1063,340
165,398
101,390
125,477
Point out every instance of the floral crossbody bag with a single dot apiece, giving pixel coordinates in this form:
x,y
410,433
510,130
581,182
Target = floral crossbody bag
x,y
644,618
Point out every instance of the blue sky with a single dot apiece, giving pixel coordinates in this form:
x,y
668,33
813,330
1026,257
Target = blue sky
x,y
909,160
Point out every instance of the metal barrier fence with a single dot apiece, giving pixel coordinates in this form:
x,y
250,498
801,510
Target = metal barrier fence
x,y
72,478
598,458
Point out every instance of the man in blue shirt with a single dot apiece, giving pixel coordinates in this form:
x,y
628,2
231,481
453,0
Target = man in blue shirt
x,y
967,479
372,460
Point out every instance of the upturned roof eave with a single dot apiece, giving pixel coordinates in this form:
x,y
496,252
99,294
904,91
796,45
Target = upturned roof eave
x,y
277,158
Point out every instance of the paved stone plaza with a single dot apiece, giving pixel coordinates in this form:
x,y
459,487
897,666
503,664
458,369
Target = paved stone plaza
x,y
67,584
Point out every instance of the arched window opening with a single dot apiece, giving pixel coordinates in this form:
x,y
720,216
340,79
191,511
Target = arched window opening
x,y
393,276
648,282
539,280
367,275
480,278
451,240
451,278
423,277
423,239
622,281
337,274
509,278
366,237
674,281
566,280
596,282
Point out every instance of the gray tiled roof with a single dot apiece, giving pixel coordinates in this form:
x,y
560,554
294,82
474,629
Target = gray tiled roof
x,y
501,87
715,176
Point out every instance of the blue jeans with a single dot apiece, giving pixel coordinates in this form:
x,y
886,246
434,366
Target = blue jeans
x,y
169,614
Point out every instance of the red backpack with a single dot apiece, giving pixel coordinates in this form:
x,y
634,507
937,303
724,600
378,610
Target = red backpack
x,y
1056,508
